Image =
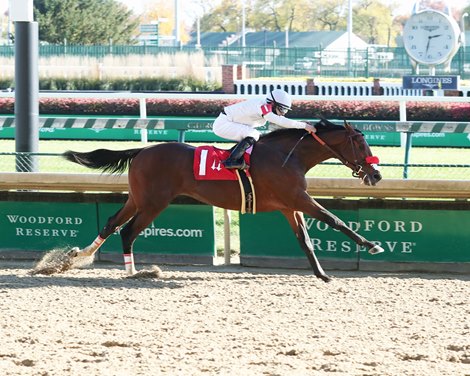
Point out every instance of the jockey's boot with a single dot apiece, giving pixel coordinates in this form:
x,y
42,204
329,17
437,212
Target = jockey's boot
x,y
236,160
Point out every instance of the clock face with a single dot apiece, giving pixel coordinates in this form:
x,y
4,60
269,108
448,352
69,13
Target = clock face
x,y
430,37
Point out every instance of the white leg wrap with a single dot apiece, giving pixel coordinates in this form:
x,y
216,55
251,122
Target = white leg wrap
x,y
376,250
92,248
129,263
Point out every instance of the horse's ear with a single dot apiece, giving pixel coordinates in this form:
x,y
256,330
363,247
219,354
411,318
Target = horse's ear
x,y
324,121
348,126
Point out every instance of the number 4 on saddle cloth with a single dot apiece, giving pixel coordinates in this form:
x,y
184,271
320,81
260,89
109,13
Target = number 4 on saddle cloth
x,y
208,166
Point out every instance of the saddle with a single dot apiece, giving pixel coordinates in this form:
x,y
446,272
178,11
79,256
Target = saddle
x,y
208,165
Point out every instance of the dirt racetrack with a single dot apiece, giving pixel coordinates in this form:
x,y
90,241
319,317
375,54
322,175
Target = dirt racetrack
x,y
232,321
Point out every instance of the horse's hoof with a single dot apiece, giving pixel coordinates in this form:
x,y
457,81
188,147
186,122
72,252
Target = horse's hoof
x,y
73,252
375,250
324,278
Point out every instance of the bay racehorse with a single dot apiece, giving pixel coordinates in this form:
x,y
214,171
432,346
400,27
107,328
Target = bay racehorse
x,y
279,162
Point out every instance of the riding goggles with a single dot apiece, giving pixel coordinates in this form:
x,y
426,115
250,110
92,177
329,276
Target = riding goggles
x,y
282,109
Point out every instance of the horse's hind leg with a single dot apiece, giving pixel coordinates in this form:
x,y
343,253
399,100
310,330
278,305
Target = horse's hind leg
x,y
114,223
130,232
297,223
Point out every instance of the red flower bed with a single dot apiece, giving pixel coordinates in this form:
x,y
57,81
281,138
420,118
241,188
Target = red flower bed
x,y
353,110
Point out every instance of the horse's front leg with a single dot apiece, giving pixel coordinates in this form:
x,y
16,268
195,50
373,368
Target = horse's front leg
x,y
297,223
315,210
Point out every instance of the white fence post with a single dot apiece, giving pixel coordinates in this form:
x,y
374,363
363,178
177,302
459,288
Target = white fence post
x,y
143,115
227,245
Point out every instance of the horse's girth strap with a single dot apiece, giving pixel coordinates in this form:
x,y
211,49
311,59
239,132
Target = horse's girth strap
x,y
247,189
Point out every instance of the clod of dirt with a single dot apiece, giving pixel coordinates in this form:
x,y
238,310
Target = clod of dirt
x,y
59,261
152,272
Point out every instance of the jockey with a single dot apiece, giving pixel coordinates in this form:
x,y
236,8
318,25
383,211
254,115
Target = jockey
x,y
238,121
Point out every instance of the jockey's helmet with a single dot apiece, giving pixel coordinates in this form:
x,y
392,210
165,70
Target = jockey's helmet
x,y
280,100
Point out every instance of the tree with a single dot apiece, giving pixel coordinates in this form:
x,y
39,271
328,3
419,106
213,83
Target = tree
x,y
372,19
295,15
222,18
160,13
373,22
85,22
277,15
330,15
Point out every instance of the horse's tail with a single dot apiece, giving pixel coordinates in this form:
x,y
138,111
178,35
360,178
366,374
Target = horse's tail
x,y
112,161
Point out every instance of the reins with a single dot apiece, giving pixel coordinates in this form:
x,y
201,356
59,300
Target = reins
x,y
292,150
355,167
322,143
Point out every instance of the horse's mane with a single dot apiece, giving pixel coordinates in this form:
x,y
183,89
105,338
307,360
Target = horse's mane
x,y
327,126
322,127
282,133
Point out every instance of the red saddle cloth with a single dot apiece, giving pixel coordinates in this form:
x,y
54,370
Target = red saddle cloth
x,y
208,164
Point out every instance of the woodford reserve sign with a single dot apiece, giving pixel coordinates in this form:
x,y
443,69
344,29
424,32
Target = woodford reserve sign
x,y
409,232
183,230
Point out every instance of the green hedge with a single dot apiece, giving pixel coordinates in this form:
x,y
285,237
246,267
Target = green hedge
x,y
135,84
353,110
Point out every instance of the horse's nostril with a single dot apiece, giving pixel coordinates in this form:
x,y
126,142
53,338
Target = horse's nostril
x,y
377,177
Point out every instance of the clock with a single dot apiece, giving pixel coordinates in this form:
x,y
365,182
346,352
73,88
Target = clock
x,y
431,37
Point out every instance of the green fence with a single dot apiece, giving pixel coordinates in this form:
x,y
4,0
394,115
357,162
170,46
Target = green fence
x,y
413,235
377,133
199,129
416,235
270,61
40,222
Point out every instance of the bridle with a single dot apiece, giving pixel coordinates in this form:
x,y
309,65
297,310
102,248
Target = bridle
x,y
356,166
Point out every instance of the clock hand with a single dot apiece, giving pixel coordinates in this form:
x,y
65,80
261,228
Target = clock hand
x,y
427,45
429,40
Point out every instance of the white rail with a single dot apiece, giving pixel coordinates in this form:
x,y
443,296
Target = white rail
x,y
318,187
184,95
334,88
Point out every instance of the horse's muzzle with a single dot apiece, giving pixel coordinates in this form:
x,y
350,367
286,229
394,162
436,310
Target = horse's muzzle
x,y
372,178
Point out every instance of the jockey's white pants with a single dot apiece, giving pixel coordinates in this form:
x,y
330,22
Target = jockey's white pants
x,y
230,130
